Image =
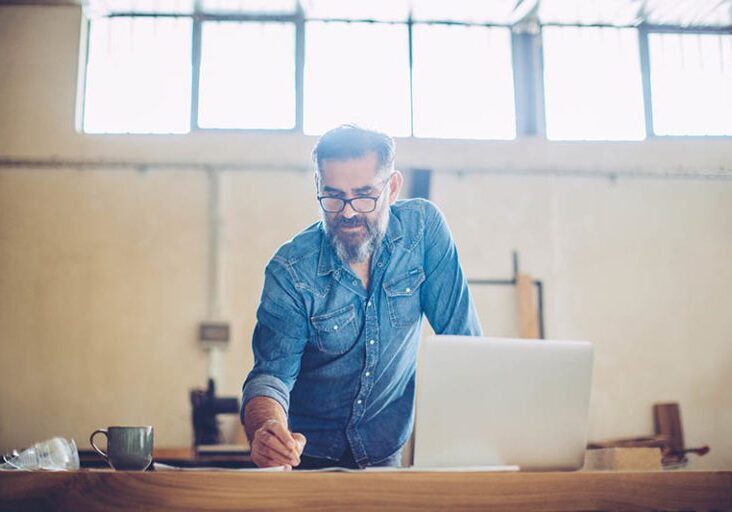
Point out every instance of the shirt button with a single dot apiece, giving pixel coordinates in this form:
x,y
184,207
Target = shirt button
x,y
371,342
355,282
408,290
379,264
335,327
369,304
359,402
368,373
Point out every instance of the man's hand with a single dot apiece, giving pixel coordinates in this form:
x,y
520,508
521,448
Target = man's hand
x,y
274,445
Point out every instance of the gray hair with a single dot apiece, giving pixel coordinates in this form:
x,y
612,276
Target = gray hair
x,y
351,141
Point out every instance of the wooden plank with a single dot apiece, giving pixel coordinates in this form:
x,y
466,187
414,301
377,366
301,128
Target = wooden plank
x,y
527,310
625,459
182,453
322,492
667,422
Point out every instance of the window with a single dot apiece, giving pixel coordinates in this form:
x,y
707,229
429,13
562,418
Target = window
x,y
138,76
247,6
423,68
463,82
464,11
355,10
240,85
356,72
691,83
592,81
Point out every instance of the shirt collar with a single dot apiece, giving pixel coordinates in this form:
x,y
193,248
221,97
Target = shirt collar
x,y
329,262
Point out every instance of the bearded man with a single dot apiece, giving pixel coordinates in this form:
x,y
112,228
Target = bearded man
x,y
340,316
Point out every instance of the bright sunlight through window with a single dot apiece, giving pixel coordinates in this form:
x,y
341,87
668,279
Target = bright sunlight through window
x,y
592,80
241,85
691,83
356,72
463,82
138,77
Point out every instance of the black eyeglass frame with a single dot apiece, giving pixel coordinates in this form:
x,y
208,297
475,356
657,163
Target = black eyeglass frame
x,y
344,202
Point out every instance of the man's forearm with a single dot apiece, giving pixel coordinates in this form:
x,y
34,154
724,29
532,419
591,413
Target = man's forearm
x,y
260,409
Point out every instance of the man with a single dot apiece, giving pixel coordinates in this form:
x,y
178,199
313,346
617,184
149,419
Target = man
x,y
341,311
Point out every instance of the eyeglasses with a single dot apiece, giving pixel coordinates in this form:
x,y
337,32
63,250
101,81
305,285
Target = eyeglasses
x,y
360,204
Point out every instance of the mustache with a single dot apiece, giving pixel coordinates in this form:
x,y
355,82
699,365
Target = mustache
x,y
350,223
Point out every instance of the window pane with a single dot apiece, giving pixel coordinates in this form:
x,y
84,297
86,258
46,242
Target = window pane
x,y
381,10
592,84
696,13
463,82
469,11
582,12
249,6
358,73
138,77
691,83
105,7
247,75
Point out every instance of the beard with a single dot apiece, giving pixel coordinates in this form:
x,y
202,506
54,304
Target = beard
x,y
359,245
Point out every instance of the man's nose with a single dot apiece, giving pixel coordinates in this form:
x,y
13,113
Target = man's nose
x,y
348,212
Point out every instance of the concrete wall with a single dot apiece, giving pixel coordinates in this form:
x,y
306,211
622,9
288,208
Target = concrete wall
x,y
103,269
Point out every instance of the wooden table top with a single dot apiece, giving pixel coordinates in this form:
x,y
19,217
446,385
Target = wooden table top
x,y
89,490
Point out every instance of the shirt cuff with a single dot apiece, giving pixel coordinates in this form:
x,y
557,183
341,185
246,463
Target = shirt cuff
x,y
265,385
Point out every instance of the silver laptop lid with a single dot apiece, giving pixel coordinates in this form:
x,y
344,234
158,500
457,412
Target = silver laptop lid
x,y
497,401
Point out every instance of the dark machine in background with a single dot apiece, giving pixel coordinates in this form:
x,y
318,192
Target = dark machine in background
x,y
206,406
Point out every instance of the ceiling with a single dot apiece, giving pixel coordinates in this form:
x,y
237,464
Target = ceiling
x,y
683,13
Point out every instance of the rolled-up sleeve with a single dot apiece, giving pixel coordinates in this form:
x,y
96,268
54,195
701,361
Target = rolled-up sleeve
x,y
446,298
279,338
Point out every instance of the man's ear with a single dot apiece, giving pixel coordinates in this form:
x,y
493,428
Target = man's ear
x,y
317,183
395,186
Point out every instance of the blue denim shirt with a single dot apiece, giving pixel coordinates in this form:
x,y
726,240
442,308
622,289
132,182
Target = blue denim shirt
x,y
341,359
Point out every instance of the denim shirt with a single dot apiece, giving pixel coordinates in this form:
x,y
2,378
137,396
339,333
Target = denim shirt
x,y
341,359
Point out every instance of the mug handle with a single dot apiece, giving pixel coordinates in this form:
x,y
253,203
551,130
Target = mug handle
x,y
96,448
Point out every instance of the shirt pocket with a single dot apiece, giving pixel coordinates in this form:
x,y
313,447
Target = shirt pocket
x,y
402,297
335,332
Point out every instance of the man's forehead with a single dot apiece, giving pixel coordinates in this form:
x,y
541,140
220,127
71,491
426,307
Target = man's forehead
x,y
350,173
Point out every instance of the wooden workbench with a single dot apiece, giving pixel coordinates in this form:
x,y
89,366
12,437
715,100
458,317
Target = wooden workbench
x,y
304,491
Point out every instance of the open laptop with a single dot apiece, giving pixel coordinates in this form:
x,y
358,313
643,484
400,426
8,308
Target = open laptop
x,y
498,402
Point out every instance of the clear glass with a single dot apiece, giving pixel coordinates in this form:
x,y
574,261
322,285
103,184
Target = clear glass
x,y
592,84
56,454
356,73
463,82
691,83
584,12
381,10
696,13
468,11
138,76
247,75
105,7
249,6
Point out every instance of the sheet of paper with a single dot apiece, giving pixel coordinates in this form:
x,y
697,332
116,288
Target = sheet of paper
x,y
390,469
165,467
460,469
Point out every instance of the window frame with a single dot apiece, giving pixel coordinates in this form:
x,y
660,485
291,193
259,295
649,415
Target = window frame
x,y
642,72
198,19
644,30
526,58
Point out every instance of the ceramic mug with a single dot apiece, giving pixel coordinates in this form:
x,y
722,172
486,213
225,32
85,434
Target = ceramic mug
x,y
128,448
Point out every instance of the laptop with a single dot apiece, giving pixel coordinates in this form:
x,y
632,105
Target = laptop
x,y
502,402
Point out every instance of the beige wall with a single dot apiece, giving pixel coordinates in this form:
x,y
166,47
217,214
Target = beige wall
x,y
641,268
103,270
